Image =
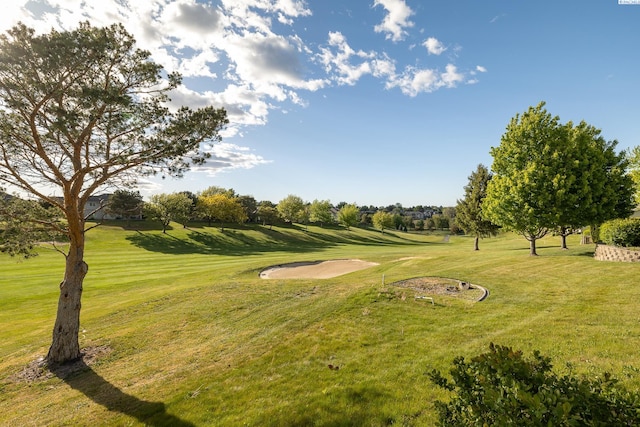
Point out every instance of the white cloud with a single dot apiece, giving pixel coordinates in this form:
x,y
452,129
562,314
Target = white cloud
x,y
199,65
185,23
414,81
434,46
481,69
451,77
244,13
266,60
396,20
226,156
245,55
338,60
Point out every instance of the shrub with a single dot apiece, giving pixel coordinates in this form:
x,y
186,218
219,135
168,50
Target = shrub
x,y
501,388
621,232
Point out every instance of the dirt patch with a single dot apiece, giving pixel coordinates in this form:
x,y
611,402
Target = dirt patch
x,y
39,370
446,287
315,269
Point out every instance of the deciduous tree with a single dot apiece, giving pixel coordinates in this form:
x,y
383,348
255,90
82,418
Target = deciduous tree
x,y
597,185
267,213
440,221
214,189
291,208
382,220
348,215
167,208
80,110
320,212
222,208
528,174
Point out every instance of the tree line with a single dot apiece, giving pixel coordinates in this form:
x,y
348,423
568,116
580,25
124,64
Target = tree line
x,y
217,205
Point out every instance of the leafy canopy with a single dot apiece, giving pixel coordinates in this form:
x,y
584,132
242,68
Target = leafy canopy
x,y
320,212
222,208
83,109
548,175
292,208
382,220
169,207
348,215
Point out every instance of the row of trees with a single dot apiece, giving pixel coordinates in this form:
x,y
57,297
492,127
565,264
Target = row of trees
x,y
548,176
224,206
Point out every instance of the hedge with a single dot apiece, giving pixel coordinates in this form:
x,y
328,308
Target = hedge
x,y
621,232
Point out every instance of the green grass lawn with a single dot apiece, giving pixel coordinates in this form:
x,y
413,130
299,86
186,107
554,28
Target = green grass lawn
x,y
197,338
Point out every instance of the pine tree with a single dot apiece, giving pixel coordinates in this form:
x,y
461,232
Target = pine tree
x,y
469,210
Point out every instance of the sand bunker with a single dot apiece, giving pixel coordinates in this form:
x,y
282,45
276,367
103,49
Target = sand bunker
x,y
315,270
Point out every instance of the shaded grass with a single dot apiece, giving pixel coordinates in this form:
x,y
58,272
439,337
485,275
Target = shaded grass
x,y
198,338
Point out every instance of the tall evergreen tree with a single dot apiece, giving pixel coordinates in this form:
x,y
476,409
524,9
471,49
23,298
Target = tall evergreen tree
x,y
469,210
125,203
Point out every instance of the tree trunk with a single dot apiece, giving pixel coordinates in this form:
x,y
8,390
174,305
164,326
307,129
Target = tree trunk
x,y
564,232
532,247
595,233
476,243
65,346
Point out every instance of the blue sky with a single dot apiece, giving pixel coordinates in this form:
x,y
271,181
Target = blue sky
x,y
374,102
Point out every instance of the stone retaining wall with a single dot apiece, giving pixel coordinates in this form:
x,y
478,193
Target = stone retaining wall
x,y
614,253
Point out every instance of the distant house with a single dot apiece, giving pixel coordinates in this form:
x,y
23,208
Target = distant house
x,y
416,214
95,208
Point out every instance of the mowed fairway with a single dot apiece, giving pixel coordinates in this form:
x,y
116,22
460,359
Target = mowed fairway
x,y
197,338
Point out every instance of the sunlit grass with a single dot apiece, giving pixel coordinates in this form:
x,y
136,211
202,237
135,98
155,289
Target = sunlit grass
x,y
193,327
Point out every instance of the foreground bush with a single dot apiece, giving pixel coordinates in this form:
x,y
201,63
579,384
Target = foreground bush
x,y
502,388
621,232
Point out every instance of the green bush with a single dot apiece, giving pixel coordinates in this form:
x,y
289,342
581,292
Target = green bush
x,y
501,388
621,232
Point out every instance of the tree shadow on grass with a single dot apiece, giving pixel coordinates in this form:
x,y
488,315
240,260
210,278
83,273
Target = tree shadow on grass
x,y
228,242
257,240
88,382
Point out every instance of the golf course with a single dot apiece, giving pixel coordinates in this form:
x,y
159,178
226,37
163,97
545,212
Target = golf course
x,y
182,329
